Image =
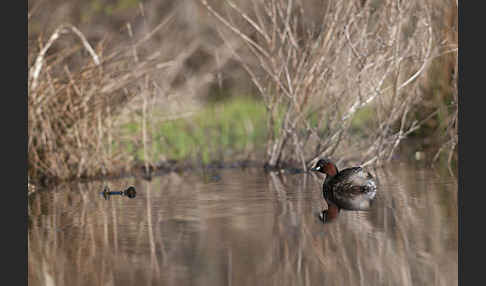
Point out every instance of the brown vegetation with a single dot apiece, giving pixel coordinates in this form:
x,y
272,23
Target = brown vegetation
x,y
329,60
317,66
77,94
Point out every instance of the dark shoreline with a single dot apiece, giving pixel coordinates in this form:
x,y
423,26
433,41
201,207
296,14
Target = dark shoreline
x,y
407,152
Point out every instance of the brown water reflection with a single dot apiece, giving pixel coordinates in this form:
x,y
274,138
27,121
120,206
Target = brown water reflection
x,y
244,227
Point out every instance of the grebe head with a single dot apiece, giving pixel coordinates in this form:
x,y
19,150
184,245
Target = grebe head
x,y
325,166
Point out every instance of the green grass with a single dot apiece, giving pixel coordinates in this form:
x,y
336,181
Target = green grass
x,y
223,130
362,121
220,130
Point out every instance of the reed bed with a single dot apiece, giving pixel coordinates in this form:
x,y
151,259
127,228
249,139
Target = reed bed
x,y
79,94
348,79
330,60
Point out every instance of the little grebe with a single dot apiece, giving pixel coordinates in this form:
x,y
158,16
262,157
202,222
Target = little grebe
x,y
350,189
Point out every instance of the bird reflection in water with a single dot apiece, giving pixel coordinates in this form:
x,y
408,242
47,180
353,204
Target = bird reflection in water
x,y
330,214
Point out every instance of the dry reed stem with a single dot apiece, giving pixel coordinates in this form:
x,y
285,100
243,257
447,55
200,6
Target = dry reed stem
x,y
299,69
35,70
75,110
69,112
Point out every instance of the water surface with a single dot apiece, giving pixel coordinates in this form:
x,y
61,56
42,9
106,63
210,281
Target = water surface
x,y
245,227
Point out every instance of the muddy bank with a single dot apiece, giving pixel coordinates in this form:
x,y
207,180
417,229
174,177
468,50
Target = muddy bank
x,y
415,151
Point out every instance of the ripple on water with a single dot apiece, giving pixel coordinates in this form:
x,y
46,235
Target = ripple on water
x,y
247,226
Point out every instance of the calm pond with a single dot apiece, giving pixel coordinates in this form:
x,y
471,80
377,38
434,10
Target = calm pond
x,y
245,227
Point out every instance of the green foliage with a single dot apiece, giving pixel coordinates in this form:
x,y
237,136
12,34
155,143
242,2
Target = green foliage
x,y
221,129
362,120
108,9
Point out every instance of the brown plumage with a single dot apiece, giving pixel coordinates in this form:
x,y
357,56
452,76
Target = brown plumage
x,y
350,189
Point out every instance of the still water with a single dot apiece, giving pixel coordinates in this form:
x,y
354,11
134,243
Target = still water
x,y
245,227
